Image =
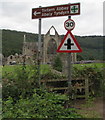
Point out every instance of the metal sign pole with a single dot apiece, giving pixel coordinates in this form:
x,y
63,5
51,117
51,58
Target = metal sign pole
x,y
69,70
39,50
69,74
39,37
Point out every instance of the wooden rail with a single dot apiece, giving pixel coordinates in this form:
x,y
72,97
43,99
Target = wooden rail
x,y
56,85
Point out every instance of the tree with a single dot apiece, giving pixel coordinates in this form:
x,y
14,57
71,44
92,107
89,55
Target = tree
x,y
79,57
57,63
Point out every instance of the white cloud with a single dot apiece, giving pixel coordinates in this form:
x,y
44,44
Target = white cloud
x,y
17,16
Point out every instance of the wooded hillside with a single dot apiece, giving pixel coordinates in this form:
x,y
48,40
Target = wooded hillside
x,y
12,42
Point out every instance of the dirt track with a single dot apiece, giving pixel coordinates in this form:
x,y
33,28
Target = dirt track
x,y
95,109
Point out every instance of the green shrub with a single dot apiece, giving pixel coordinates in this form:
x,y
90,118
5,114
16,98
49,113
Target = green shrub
x,y
21,81
57,64
51,75
94,76
41,105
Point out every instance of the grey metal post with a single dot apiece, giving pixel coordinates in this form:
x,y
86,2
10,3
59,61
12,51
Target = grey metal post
x,y
39,37
69,72
69,59
39,50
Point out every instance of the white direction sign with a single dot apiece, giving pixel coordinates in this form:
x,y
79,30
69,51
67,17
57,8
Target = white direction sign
x,y
69,24
69,44
74,9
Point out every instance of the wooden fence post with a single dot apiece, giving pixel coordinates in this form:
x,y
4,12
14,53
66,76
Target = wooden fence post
x,y
86,88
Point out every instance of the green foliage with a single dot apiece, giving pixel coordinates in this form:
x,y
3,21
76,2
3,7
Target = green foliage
x,y
98,66
45,69
12,42
57,64
89,102
0,107
20,82
94,75
41,105
50,75
23,99
92,47
12,68
79,57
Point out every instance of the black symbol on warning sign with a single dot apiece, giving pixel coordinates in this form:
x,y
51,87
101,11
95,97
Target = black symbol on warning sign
x,y
69,44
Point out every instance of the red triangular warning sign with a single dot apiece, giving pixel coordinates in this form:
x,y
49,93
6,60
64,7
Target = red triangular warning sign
x,y
69,44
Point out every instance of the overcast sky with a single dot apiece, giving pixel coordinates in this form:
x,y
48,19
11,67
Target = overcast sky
x,y
16,15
